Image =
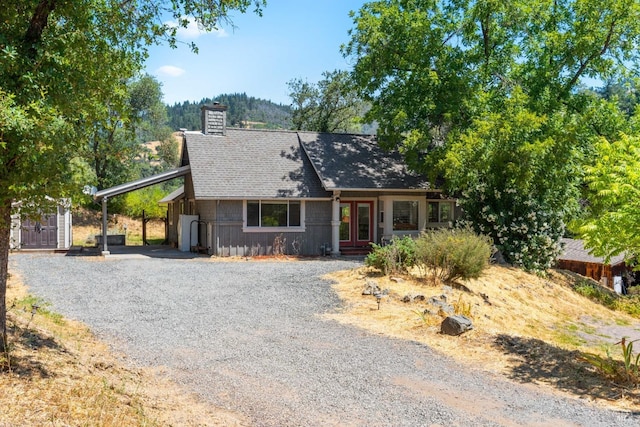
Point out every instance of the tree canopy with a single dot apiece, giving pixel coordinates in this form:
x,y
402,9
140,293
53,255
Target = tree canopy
x,y
489,96
59,60
244,111
612,224
331,105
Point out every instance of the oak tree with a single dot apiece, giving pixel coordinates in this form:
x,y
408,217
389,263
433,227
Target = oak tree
x,y
331,105
58,60
488,95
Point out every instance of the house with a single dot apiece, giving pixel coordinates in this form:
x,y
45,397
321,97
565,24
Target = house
x,y
51,231
253,192
579,260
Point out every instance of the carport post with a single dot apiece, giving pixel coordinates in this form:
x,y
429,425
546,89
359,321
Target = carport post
x,y
105,249
335,224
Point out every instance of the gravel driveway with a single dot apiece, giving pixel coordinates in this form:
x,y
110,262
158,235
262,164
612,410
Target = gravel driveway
x,y
247,336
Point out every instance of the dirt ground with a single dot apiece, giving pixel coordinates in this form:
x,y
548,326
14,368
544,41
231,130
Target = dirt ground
x,y
59,374
530,329
87,223
527,328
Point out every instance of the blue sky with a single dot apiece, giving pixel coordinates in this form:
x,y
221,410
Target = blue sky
x,y
293,39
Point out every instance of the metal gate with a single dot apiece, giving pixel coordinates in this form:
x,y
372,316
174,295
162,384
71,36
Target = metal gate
x,y
42,234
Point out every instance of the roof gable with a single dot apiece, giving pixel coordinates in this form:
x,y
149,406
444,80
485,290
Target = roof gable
x,y
357,162
250,164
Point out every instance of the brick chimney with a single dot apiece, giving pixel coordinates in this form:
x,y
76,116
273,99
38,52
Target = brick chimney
x,y
214,119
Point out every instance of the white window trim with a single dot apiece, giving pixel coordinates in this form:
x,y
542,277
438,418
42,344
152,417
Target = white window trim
x,y
386,206
452,206
298,229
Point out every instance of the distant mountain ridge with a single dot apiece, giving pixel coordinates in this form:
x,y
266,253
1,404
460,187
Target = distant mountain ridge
x,y
243,111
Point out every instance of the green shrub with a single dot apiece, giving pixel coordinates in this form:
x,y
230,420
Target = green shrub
x,y
626,373
452,254
145,199
396,257
629,304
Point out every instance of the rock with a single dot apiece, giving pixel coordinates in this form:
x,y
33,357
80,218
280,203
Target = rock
x,y
498,258
370,288
441,304
445,310
396,279
428,312
485,297
412,298
456,325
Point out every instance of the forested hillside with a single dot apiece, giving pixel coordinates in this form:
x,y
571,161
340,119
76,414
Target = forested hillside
x,y
244,111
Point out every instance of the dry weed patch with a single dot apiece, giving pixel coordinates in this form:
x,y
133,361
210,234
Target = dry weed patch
x,y
57,373
87,223
531,329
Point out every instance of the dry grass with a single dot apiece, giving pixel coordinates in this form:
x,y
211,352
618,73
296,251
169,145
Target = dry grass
x,y
527,328
531,329
58,374
86,224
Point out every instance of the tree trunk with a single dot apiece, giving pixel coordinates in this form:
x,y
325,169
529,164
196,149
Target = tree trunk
x,y
5,232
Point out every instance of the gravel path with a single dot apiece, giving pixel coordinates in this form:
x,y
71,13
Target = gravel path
x,y
247,336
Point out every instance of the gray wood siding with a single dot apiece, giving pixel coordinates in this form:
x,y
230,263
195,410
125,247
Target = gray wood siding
x,y
230,240
173,213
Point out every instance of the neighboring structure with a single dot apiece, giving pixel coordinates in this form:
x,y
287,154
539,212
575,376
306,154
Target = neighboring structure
x,y
254,192
51,231
578,259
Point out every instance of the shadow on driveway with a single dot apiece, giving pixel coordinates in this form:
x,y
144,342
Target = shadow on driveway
x,y
133,252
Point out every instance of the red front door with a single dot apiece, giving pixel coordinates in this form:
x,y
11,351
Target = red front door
x,y
356,223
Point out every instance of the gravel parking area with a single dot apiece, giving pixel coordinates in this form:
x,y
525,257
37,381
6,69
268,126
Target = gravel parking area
x,y
248,336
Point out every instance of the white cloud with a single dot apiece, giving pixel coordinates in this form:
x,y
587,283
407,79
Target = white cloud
x,y
171,71
193,30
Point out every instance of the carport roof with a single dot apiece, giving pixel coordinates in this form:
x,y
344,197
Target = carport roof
x,y
141,183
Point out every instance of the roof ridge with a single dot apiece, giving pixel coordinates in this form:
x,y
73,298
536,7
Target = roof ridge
x,y
338,133
261,130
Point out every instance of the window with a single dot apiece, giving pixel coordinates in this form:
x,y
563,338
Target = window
x,y
273,213
405,215
440,212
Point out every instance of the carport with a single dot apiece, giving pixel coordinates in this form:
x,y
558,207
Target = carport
x,y
104,195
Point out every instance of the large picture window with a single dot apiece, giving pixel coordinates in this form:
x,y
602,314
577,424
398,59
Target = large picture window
x,y
405,215
261,213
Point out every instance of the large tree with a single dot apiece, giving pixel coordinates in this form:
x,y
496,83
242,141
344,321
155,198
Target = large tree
x,y
612,226
487,94
331,105
58,60
125,120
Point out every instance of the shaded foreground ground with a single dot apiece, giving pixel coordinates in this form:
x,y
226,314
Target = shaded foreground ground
x,y
59,373
253,337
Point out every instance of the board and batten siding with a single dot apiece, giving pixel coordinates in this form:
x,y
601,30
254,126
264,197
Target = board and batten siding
x,y
225,220
64,225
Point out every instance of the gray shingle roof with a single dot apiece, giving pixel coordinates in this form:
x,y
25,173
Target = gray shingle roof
x,y
574,250
345,161
251,164
173,196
